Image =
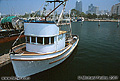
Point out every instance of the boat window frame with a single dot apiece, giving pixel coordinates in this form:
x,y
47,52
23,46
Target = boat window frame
x,y
32,39
46,40
27,39
40,41
50,40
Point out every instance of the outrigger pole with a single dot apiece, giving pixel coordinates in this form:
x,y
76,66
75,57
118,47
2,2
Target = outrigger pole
x,y
54,6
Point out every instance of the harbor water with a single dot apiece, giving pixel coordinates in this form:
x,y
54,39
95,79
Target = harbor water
x,y
97,54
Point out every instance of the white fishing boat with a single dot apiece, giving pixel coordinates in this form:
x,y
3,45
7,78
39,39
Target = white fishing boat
x,y
46,46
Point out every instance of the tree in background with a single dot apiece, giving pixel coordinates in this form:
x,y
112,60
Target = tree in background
x,y
75,13
83,14
89,16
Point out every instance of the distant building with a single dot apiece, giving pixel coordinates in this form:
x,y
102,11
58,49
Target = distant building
x,y
93,10
115,9
101,12
104,12
112,10
79,5
96,10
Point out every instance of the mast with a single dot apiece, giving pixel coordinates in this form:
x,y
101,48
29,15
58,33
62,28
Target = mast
x,y
61,13
70,25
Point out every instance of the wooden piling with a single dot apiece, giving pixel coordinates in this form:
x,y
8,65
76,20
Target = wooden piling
x,y
118,23
99,23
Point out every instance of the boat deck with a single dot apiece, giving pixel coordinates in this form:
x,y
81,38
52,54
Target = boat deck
x,y
62,32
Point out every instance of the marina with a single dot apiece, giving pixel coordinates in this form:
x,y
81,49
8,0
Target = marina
x,y
57,42
97,53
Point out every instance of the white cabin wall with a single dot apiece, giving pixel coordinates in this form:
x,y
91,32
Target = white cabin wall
x,y
61,42
40,48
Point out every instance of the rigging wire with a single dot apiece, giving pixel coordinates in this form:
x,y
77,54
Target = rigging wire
x,y
26,26
61,14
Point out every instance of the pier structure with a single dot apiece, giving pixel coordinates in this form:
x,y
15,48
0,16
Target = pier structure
x,y
4,59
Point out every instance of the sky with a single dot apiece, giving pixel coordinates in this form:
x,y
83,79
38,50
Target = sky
x,y
22,6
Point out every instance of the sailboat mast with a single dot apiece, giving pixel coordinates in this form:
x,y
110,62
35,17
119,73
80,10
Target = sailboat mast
x,y
70,25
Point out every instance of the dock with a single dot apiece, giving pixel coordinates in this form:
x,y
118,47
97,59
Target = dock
x,y
102,20
4,59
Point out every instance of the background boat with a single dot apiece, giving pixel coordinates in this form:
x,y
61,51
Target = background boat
x,y
10,26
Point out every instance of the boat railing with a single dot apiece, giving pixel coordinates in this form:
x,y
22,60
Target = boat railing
x,y
72,39
16,49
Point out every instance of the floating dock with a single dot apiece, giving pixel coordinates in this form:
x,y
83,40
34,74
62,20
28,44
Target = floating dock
x,y
4,59
102,20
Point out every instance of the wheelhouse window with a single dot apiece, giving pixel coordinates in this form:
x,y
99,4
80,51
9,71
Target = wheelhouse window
x,y
64,21
40,40
28,39
46,40
52,40
33,39
68,22
60,22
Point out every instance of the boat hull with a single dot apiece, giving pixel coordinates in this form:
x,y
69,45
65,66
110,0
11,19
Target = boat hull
x,y
25,68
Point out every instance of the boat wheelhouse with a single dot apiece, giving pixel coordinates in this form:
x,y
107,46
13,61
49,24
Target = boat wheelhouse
x,y
44,36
